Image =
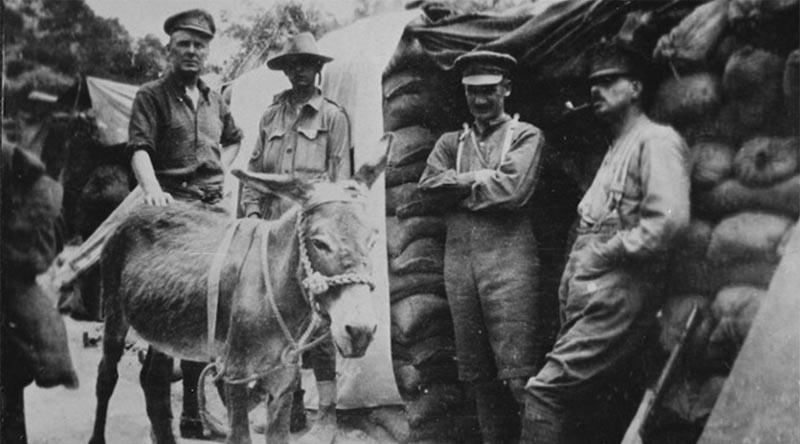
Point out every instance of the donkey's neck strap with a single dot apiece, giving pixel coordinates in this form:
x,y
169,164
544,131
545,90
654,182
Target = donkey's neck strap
x,y
212,284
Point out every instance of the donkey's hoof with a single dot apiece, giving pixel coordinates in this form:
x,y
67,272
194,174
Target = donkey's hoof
x,y
95,440
192,428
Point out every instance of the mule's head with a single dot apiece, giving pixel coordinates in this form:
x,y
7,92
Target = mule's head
x,y
337,238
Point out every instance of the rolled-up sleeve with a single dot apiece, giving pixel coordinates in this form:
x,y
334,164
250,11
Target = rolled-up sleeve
x,y
231,134
512,185
143,126
340,145
665,206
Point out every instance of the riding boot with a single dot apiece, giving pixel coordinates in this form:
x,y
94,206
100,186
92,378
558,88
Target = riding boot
x,y
498,413
324,429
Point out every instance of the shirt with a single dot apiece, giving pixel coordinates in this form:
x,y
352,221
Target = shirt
x,y
183,139
514,177
312,142
642,186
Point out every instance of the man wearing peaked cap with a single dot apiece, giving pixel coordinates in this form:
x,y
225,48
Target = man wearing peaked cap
x,y
613,283
181,138
303,134
196,20
489,171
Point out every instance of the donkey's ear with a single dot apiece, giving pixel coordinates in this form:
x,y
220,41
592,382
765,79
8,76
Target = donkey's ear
x,y
370,171
282,185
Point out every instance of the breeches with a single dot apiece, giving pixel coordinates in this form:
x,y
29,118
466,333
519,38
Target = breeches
x,y
491,272
606,314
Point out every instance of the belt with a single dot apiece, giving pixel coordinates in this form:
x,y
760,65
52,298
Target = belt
x,y
209,194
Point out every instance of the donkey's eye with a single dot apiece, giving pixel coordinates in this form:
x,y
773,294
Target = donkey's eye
x,y
320,245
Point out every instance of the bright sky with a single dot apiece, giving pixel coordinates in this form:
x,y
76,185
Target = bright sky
x,y
142,17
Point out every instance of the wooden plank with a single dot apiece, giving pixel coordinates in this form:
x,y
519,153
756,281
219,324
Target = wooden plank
x,y
760,402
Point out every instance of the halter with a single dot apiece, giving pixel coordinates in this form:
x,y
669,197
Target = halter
x,y
313,284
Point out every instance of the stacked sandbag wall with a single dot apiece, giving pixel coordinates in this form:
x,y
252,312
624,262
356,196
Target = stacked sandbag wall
x,y
423,348
732,91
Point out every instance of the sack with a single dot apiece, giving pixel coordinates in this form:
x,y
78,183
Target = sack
x,y
413,99
689,270
731,196
404,174
692,41
748,236
434,401
691,399
756,10
734,309
766,160
424,255
415,313
684,100
398,195
409,145
711,163
791,89
401,232
37,332
753,82
403,286
751,273
672,321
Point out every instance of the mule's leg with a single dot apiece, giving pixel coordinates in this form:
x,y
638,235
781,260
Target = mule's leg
x,y
114,332
279,407
12,414
155,380
237,398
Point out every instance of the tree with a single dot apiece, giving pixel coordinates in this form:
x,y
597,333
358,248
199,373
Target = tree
x,y
269,31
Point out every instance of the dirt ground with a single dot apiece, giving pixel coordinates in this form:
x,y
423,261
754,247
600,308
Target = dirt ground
x,y
61,416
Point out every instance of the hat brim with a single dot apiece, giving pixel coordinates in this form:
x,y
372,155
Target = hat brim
x,y
610,72
482,79
279,62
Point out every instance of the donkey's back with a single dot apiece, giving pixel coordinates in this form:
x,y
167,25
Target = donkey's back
x,y
155,267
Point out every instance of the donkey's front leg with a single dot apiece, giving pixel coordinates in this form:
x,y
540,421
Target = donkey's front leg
x,y
279,405
237,414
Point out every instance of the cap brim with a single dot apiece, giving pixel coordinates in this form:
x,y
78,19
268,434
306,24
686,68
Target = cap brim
x,y
279,62
610,72
482,79
196,29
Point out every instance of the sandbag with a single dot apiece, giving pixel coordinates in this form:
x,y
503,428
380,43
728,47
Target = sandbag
x,y
403,286
672,321
731,196
36,332
734,308
791,89
765,160
404,174
415,313
436,400
756,10
748,236
752,273
700,276
411,98
689,269
691,398
711,162
685,99
425,330
424,255
753,81
410,144
424,203
693,40
433,350
401,232
395,196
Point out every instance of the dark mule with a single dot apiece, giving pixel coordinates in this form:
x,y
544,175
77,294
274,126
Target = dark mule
x,y
155,270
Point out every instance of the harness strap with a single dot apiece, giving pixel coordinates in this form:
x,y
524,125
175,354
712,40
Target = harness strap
x,y
460,150
505,148
212,287
262,230
507,140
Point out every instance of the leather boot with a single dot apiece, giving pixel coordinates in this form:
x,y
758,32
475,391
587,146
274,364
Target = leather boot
x,y
298,418
324,429
498,413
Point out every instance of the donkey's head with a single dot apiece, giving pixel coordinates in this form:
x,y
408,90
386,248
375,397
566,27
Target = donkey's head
x,y
336,235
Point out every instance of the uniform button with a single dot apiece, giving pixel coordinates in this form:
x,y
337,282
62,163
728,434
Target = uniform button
x,y
184,184
288,150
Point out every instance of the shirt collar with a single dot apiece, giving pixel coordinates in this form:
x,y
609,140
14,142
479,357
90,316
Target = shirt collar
x,y
181,90
314,102
492,124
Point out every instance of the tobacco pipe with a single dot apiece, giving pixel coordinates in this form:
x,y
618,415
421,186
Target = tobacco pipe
x,y
570,108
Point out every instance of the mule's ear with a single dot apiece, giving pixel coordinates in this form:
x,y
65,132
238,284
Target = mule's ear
x,y
282,185
370,171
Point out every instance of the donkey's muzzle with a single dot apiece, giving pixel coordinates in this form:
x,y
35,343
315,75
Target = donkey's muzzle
x,y
360,337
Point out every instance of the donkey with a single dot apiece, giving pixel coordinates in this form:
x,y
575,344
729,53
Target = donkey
x,y
179,277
